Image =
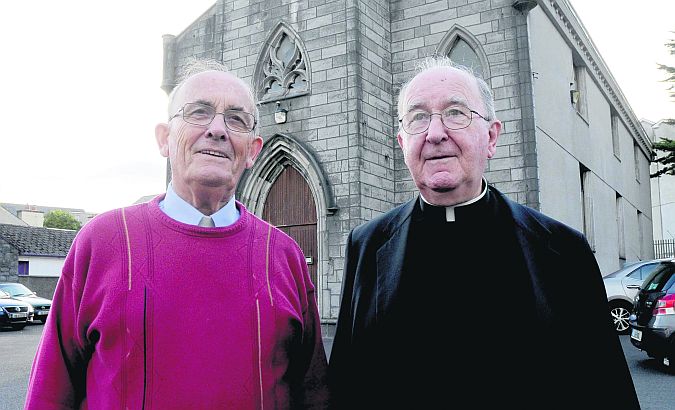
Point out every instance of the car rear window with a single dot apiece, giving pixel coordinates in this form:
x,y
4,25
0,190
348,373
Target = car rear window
x,y
661,279
622,270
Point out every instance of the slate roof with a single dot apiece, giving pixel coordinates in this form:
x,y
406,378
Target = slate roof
x,y
34,241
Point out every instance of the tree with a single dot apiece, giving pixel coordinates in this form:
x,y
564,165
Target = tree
x,y
62,220
667,146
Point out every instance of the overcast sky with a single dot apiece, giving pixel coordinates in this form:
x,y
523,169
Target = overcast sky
x,y
81,92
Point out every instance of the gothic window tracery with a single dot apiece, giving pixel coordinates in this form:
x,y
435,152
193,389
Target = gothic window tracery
x,y
284,72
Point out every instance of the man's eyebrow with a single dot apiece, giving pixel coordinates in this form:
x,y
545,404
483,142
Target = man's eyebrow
x,y
235,108
448,102
204,102
229,107
457,101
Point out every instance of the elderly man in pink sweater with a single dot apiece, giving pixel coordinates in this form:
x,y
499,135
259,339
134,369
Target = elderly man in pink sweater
x,y
188,301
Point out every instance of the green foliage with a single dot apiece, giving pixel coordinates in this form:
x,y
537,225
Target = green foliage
x,y
668,160
62,220
667,146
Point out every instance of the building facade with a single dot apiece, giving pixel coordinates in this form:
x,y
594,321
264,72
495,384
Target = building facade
x,y
33,256
571,145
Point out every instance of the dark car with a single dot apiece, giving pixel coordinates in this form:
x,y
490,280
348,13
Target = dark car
x,y
653,320
13,312
20,292
623,285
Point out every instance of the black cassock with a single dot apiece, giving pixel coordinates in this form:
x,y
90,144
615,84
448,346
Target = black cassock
x,y
501,307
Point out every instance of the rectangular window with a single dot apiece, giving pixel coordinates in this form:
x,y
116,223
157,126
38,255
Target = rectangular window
x,y
23,268
615,135
587,206
640,235
620,226
578,92
636,154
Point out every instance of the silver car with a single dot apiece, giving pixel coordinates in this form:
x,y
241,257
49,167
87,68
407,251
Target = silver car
x,y
623,285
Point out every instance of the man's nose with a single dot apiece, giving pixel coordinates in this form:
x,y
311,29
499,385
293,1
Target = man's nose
x,y
217,128
437,132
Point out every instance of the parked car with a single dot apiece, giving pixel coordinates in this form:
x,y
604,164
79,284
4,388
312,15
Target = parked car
x,y
21,292
13,312
623,285
653,320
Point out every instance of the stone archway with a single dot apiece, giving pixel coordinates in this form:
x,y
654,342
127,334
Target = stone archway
x,y
290,206
279,154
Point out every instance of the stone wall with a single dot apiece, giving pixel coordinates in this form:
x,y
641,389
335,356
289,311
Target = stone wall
x,y
9,262
357,54
417,30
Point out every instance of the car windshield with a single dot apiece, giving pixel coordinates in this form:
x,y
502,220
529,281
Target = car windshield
x,y
16,289
660,279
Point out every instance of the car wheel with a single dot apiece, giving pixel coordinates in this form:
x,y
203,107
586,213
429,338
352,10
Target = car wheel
x,y
620,313
18,326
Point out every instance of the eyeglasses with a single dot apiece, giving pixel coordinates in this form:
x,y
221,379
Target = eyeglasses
x,y
202,114
454,117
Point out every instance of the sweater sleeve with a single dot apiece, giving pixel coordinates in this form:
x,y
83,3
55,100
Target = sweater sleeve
x,y
310,389
58,374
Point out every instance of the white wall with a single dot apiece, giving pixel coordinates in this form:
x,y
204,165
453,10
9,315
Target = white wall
x,y
663,187
32,218
565,139
43,266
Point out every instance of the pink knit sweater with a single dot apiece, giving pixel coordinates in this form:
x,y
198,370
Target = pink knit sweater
x,y
196,318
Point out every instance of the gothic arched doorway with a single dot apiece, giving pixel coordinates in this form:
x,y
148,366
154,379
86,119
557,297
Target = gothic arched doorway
x,y
290,207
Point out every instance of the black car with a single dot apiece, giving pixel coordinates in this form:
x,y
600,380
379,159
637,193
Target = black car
x,y
20,292
14,313
653,320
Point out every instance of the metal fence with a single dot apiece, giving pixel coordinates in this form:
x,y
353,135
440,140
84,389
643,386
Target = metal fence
x,y
664,248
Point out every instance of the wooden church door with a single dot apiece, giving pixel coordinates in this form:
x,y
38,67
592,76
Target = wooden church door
x,y
290,207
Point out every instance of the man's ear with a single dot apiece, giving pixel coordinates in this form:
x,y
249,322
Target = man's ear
x,y
399,138
254,149
493,135
162,138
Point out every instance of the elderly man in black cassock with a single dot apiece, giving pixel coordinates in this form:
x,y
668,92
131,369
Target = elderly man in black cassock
x,y
462,297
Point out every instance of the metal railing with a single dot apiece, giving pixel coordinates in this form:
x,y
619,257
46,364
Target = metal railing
x,y
664,248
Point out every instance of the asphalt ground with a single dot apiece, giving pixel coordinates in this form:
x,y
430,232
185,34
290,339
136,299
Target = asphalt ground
x,y
654,384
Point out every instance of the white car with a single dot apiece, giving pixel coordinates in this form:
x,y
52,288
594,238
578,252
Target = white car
x,y
623,285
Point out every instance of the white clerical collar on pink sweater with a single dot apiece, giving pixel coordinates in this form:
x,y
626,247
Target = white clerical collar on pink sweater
x,y
178,209
450,210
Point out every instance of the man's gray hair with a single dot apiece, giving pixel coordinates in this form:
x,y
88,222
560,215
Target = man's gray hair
x,y
445,62
195,66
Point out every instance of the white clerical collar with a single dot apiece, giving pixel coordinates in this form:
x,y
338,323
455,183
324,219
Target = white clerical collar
x,y
450,210
180,210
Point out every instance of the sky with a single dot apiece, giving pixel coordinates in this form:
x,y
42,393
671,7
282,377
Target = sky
x,y
81,90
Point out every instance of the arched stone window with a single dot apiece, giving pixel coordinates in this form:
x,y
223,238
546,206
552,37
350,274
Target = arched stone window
x,y
282,70
463,48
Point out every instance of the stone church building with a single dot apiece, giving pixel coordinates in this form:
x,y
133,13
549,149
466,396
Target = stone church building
x,y
327,75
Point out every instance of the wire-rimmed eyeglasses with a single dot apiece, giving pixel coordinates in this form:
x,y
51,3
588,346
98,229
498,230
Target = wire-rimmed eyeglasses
x,y
203,115
454,117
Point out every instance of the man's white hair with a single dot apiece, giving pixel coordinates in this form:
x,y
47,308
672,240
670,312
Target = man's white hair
x,y
445,62
195,66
